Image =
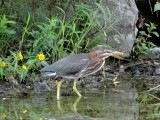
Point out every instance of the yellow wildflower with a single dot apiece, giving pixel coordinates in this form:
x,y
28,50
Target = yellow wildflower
x,y
20,56
40,118
3,64
21,118
3,115
25,110
41,56
24,67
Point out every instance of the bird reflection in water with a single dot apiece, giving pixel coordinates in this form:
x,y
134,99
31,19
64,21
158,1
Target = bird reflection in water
x,y
74,105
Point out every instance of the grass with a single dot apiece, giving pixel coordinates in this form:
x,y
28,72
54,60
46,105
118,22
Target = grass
x,y
55,36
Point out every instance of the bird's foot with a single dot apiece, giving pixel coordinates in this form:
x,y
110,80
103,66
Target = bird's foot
x,y
76,91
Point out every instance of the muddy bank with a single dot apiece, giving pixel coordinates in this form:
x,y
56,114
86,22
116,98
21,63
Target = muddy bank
x,y
144,75
120,94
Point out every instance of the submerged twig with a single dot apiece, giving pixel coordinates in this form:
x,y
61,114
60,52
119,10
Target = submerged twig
x,y
153,88
154,96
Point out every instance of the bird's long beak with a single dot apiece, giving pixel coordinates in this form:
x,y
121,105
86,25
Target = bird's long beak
x,y
105,55
118,55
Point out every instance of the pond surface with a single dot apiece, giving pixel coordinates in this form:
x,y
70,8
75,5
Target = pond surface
x,y
127,102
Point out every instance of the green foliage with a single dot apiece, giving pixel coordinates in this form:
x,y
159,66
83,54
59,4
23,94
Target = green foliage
x,y
59,37
143,47
1,69
157,7
55,36
5,31
24,31
44,37
4,22
142,43
150,29
17,66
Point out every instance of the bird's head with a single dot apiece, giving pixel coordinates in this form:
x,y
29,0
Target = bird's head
x,y
99,54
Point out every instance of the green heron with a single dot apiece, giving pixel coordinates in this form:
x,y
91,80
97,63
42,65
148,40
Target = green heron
x,y
76,66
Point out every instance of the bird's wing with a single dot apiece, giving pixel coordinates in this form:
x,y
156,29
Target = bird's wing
x,y
69,66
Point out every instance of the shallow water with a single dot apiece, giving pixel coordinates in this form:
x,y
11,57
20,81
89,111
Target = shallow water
x,y
124,103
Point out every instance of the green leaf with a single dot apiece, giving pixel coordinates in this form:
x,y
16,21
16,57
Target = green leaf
x,y
149,36
11,22
143,33
150,44
28,19
156,6
156,34
60,9
10,31
103,10
146,24
35,43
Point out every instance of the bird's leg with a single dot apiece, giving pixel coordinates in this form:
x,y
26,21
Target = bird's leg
x,y
58,88
104,75
75,88
75,104
59,105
